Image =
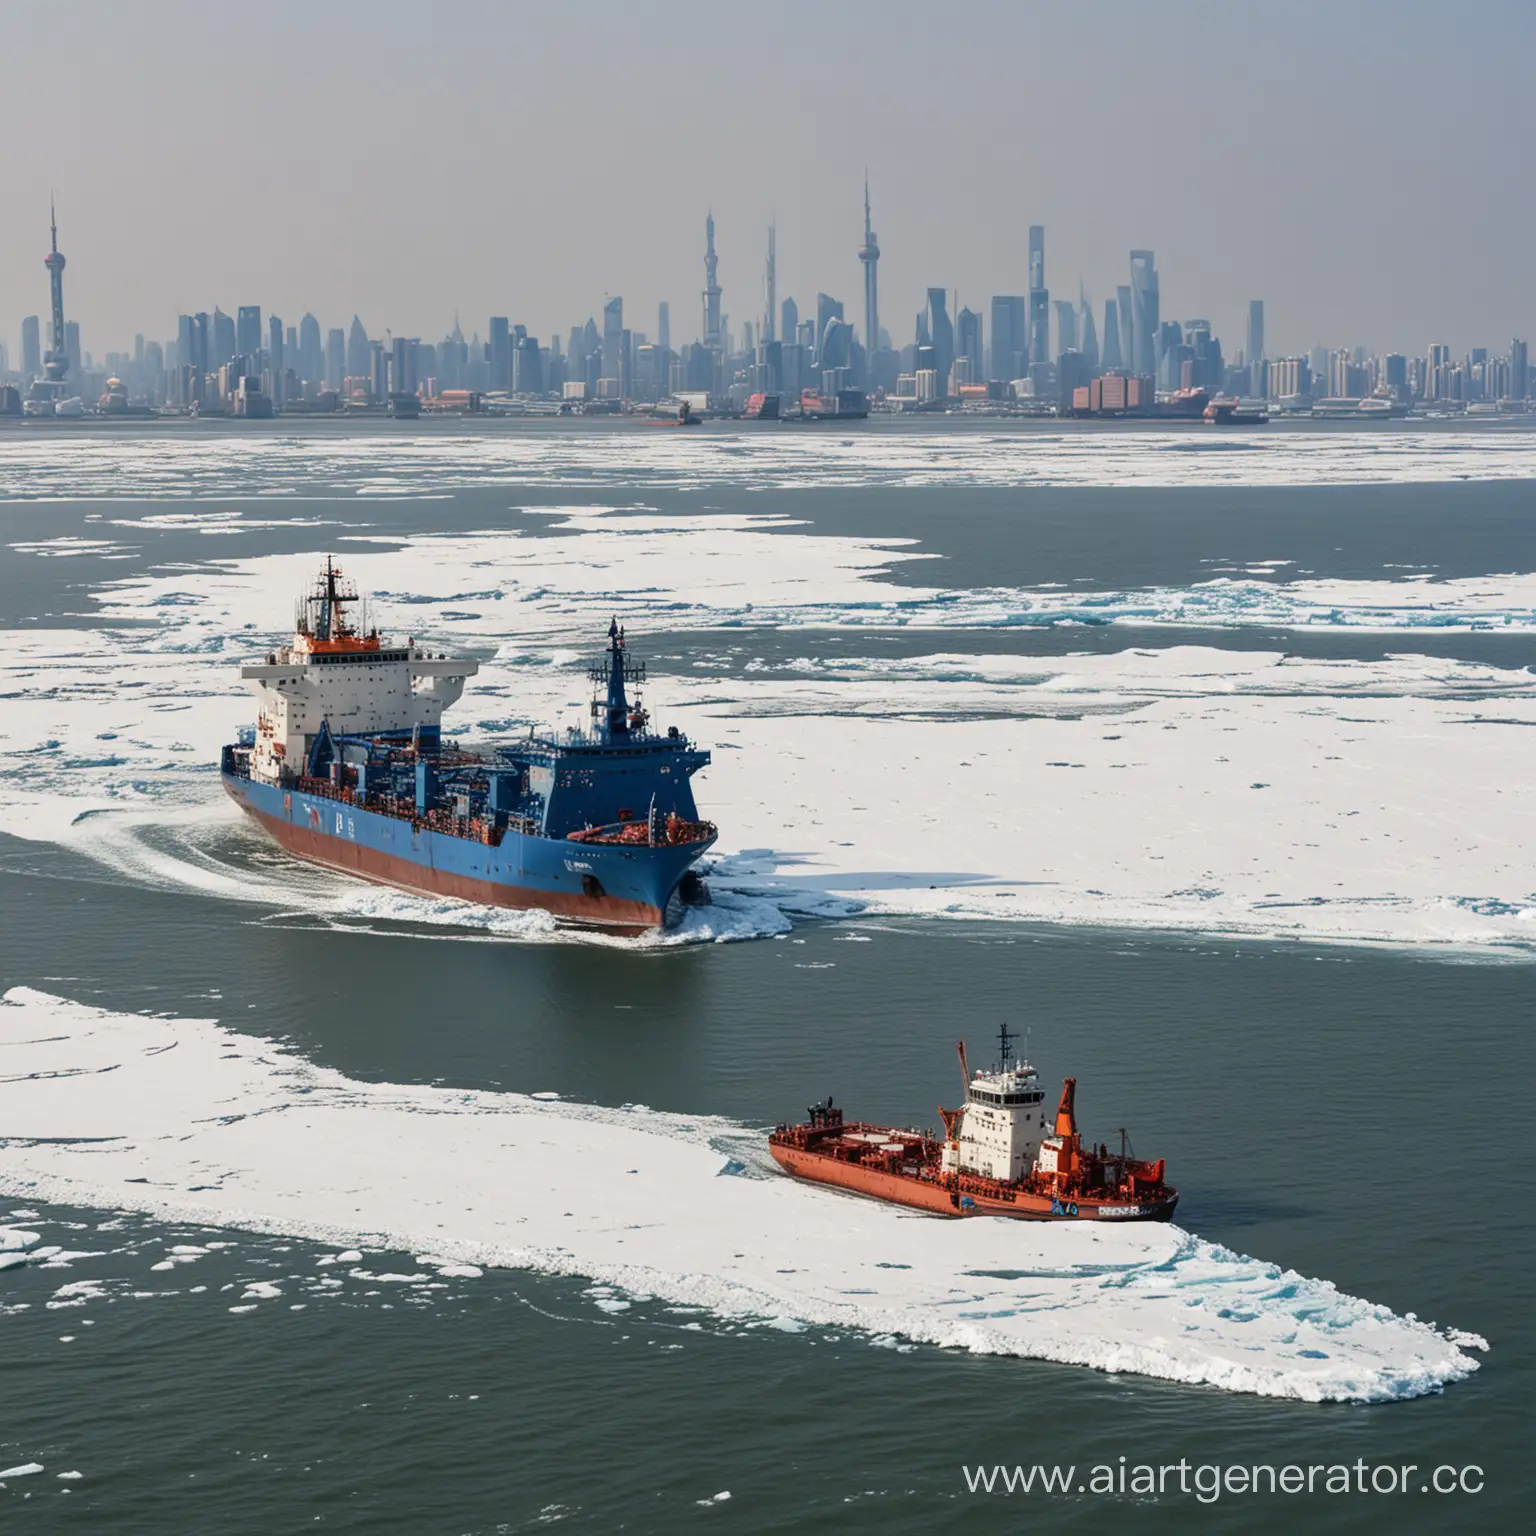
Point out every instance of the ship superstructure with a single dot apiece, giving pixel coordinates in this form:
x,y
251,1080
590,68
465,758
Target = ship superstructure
x,y
997,1157
347,766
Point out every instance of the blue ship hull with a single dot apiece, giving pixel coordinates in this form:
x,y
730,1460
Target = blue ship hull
x,y
604,884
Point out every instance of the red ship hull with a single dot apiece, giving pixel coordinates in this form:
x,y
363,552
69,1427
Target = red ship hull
x,y
963,1196
405,874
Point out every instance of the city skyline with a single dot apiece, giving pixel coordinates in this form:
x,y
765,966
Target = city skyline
x,y
234,366
1374,227
1021,323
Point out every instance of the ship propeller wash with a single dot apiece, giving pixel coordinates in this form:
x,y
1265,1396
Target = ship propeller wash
x,y
996,1158
347,766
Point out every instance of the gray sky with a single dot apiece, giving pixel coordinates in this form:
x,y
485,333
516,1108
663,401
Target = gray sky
x,y
1358,164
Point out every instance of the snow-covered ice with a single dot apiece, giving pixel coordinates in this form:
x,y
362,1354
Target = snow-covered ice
x,y
324,468
1225,790
631,1199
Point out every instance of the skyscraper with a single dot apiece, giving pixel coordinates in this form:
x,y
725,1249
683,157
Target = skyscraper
x,y
501,352
56,360
1254,353
789,321
1088,338
1039,298
224,338
968,346
31,347
1066,326
712,336
828,309
274,358
664,326
1519,370
613,339
869,254
335,357
1144,313
359,358
311,353
770,292
941,333
248,331
1008,340
1113,358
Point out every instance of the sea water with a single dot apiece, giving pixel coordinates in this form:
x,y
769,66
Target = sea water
x,y
336,1206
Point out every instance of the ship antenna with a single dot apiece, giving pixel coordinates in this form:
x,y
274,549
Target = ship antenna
x,y
1004,1038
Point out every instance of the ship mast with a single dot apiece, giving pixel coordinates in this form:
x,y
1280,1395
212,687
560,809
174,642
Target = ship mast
x,y
615,670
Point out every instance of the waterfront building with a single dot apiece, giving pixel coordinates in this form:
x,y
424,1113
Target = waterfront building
x,y
1290,378
1519,370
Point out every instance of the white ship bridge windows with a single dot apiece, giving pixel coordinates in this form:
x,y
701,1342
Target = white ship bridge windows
x,y
985,1096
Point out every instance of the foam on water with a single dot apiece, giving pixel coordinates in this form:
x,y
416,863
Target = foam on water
x,y
186,1120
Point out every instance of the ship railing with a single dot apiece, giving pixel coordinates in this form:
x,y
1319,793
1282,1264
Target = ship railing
x,y
674,832
473,829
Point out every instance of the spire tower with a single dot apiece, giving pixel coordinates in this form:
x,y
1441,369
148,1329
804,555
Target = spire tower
x,y
869,254
711,285
770,289
56,359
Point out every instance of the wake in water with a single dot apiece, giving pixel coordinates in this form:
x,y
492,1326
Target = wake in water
x,y
183,1119
209,850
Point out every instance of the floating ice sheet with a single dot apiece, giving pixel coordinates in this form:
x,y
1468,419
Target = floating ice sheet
x,y
764,457
1185,787
631,1198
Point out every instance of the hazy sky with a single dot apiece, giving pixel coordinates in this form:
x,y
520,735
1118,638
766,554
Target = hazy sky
x,y
1361,165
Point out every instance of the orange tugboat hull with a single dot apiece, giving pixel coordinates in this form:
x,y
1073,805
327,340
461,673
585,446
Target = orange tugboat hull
x,y
925,1189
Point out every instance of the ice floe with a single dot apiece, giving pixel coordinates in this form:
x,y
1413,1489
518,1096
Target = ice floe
x,y
503,1179
1225,790
780,457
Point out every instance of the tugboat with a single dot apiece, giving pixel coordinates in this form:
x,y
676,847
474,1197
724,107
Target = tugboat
x,y
996,1158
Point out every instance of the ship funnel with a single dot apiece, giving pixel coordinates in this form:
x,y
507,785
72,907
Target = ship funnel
x,y
1066,1119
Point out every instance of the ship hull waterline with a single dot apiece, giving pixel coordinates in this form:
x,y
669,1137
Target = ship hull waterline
x,y
522,874
942,1200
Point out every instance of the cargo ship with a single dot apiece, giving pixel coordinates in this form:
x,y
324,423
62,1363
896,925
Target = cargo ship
x,y
996,1157
347,766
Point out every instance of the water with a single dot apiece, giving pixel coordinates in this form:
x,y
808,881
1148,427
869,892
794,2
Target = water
x,y
1330,1107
